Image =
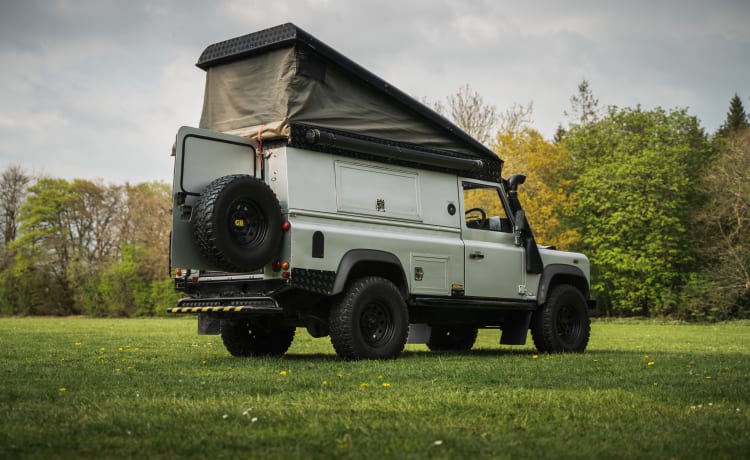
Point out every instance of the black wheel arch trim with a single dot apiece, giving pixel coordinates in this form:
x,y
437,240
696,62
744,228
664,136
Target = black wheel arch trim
x,y
552,271
357,256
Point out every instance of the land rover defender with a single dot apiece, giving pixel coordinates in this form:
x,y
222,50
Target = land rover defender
x,y
316,195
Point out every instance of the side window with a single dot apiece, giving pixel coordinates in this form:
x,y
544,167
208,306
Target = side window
x,y
484,208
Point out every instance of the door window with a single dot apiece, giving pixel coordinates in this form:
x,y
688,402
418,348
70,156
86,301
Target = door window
x,y
484,208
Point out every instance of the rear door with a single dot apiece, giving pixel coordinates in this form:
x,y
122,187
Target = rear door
x,y
201,156
494,264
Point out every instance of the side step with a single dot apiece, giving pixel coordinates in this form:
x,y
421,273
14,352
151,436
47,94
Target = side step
x,y
227,305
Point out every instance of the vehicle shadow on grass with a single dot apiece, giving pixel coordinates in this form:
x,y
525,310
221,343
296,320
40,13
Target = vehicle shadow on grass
x,y
415,354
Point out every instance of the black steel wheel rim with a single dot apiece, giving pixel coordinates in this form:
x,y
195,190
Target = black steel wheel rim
x,y
568,324
247,225
376,323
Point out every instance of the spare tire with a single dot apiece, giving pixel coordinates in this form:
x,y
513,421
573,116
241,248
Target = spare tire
x,y
237,223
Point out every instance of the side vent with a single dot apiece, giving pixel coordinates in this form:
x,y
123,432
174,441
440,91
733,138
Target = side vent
x,y
318,245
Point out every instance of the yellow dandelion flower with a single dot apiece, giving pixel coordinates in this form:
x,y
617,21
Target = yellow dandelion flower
x,y
380,377
78,344
282,373
651,363
364,385
535,357
63,389
102,349
386,384
325,382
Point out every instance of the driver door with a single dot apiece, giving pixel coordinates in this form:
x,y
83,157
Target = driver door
x,y
494,264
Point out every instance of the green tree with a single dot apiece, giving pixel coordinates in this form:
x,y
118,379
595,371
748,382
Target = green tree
x,y
736,120
67,231
44,250
637,177
559,136
584,107
13,184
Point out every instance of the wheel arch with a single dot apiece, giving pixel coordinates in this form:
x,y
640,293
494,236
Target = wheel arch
x,y
357,263
555,274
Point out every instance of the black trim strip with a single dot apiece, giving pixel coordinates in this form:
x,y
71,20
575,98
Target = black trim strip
x,y
391,152
475,302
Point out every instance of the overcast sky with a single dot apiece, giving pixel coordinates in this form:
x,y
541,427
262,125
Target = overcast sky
x,y
97,89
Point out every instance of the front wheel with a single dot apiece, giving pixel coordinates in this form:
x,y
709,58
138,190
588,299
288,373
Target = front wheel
x,y
562,324
245,338
370,321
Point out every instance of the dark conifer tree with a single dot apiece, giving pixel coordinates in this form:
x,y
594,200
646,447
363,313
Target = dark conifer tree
x,y
736,118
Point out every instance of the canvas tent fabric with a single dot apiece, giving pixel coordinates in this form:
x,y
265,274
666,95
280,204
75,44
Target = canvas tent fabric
x,y
284,76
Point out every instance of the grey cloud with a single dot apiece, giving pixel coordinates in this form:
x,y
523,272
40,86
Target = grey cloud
x,y
98,88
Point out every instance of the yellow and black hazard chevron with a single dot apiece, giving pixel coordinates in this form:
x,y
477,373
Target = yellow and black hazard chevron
x,y
206,309
226,305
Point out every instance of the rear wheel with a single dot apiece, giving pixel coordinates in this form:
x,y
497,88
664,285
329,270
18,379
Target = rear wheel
x,y
562,324
452,338
370,321
244,338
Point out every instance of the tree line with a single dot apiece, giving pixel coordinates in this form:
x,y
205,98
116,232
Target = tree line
x,y
83,247
660,206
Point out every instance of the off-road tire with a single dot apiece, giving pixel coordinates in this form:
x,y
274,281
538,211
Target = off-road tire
x,y
370,321
237,223
243,338
452,338
562,324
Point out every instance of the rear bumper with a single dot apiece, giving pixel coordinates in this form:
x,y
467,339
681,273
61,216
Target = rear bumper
x,y
227,305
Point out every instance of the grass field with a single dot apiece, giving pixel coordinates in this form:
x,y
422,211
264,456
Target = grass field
x,y
152,388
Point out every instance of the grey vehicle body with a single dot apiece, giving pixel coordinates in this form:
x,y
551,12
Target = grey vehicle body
x,y
373,232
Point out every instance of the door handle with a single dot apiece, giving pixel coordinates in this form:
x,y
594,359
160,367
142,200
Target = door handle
x,y
476,255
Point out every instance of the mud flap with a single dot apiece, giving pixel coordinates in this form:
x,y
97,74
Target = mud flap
x,y
419,333
208,324
516,328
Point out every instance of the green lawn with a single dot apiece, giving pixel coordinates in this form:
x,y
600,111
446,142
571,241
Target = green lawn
x,y
152,388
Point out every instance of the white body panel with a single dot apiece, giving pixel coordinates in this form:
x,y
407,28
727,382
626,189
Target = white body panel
x,y
340,198
414,214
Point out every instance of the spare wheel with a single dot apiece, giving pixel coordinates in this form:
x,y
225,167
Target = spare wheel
x,y
237,223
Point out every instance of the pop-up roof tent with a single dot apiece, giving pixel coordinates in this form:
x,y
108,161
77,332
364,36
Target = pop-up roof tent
x,y
284,84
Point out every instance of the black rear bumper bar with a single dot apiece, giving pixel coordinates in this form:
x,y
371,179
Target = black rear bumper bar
x,y
227,305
